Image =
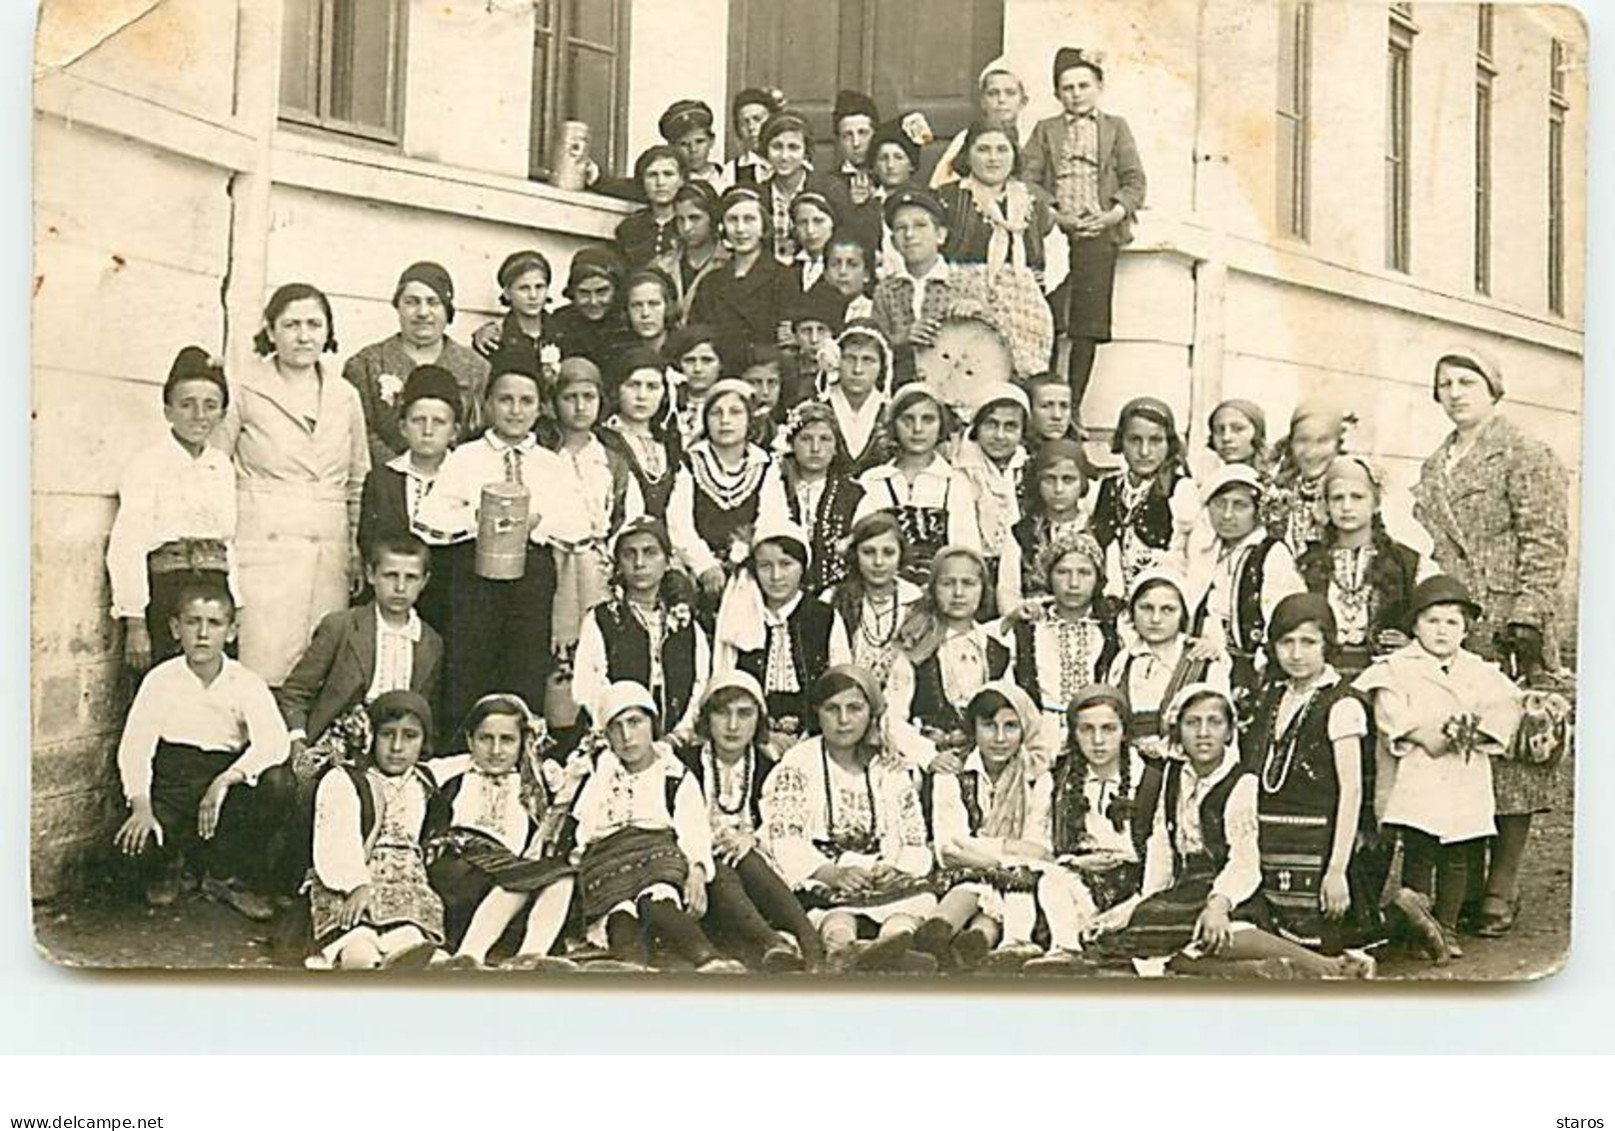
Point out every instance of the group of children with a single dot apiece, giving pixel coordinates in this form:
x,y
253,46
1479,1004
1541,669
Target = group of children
x,y
698,630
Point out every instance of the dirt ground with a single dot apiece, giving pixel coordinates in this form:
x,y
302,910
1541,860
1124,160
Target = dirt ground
x,y
94,930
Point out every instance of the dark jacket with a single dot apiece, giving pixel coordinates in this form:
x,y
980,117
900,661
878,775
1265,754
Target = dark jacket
x,y
336,668
1121,173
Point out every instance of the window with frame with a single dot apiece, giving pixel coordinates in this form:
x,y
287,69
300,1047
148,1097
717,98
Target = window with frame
x,y
1485,73
1294,118
1558,106
580,74
1398,140
341,66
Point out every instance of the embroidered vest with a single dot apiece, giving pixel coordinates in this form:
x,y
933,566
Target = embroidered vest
x,y
1392,573
925,531
1151,520
1213,818
718,527
809,625
1026,654
930,704
828,529
628,657
1308,785
1070,805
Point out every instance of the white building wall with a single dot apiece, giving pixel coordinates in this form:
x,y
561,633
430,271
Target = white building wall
x,y
681,50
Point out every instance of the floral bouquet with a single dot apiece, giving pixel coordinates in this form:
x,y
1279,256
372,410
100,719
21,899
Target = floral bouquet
x,y
1463,734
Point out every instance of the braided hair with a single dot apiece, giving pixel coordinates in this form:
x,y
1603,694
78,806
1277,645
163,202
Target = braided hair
x,y
1123,803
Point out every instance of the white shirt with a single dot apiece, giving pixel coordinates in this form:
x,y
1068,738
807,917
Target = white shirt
x,y
166,494
449,513
395,655
617,798
1242,874
1099,833
339,842
951,821
587,485
234,715
998,504
856,425
937,487
490,804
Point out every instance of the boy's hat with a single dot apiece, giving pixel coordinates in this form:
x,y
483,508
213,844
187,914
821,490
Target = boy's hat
x,y
1298,609
892,133
684,117
998,66
625,695
513,359
518,263
392,704
193,363
853,102
1232,475
916,197
644,524
1067,57
782,122
823,304
430,382
433,275
771,100
1442,589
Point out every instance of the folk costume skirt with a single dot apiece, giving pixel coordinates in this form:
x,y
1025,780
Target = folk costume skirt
x,y
624,866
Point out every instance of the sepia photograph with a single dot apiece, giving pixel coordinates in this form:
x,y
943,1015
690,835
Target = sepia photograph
x,y
879,492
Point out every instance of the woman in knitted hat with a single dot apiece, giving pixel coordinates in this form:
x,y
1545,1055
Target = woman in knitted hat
x,y
822,504
595,324
842,821
1444,717
749,906
301,456
1496,501
176,511
524,285
744,301
1366,575
424,303
1066,641
1147,509
659,171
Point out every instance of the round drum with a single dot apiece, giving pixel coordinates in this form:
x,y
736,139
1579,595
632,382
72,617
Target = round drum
x,y
969,355
502,528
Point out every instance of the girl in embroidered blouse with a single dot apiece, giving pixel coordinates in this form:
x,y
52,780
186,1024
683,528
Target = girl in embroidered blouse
x,y
934,504
1366,575
1161,659
507,838
371,904
301,455
1313,754
996,224
874,600
993,831
776,632
821,503
748,902
1104,794
1063,643
1056,509
600,481
644,844
842,821
645,632
858,398
719,491
1200,903
652,307
176,512
1145,512
640,431
1442,714
951,652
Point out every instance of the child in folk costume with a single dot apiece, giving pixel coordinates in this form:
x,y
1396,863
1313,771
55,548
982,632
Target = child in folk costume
x,y
1056,510
747,900
1442,713
176,512
859,397
1160,658
428,412
696,367
993,458
359,654
951,652
993,825
1295,508
822,504
1146,511
1237,585
645,844
640,430
517,611
1200,902
934,504
1104,798
506,838
1063,644
774,630
645,633
719,491
1313,752
874,601
371,903
1366,575
842,821
603,488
